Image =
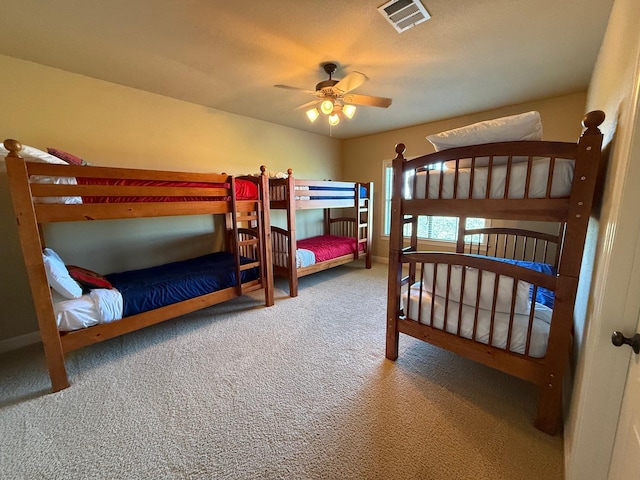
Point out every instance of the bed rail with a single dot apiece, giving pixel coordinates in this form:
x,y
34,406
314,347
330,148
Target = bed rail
x,y
282,247
313,194
478,299
535,175
513,243
212,192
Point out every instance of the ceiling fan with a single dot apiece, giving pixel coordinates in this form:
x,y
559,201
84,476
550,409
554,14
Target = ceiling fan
x,y
333,97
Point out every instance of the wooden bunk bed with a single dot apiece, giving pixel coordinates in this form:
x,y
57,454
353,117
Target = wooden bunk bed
x,y
345,238
118,193
473,302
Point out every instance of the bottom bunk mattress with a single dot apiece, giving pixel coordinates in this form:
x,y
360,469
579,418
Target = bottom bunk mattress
x,y
146,289
324,247
448,315
471,316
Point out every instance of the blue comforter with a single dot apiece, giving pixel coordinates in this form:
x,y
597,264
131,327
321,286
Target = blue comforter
x,y
155,287
543,296
309,192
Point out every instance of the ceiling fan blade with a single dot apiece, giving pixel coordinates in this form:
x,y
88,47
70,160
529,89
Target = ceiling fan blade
x,y
289,87
351,82
367,100
308,105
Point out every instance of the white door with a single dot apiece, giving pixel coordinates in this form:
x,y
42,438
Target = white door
x,y
625,458
625,461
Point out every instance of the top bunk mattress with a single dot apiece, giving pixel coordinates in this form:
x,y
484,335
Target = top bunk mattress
x,y
311,194
318,192
496,182
244,189
66,169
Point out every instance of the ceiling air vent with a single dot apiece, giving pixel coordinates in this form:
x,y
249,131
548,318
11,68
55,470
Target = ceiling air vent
x,y
404,14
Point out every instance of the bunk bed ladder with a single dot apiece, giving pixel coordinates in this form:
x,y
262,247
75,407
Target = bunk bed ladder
x,y
235,237
253,239
365,233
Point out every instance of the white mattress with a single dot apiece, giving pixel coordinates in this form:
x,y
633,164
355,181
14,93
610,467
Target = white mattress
x,y
100,305
539,334
560,185
302,197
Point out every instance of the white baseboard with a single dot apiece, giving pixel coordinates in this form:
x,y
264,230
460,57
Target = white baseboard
x,y
20,341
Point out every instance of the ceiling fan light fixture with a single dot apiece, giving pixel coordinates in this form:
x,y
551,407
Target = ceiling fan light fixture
x,y
349,110
326,107
313,114
333,97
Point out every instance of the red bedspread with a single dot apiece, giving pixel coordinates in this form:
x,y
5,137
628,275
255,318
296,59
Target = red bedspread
x,y
245,190
326,247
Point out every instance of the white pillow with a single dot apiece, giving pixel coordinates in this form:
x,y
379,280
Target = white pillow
x,y
55,181
525,126
278,175
270,174
32,154
58,276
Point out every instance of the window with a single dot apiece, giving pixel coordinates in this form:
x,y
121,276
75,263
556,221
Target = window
x,y
432,227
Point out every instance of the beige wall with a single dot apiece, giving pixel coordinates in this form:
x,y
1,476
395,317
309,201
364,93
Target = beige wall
x,y
362,158
109,124
112,125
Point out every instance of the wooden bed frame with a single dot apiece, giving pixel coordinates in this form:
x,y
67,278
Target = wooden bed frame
x,y
247,227
570,214
291,194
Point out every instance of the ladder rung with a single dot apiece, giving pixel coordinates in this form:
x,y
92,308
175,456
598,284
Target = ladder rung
x,y
247,266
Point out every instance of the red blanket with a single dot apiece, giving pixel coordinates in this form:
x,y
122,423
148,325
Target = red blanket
x,y
326,247
245,190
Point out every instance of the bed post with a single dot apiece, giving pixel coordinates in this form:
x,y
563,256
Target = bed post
x,y
586,172
395,249
549,409
357,235
326,221
31,244
290,193
267,248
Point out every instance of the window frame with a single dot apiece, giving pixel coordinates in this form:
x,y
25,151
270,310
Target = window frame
x,y
386,216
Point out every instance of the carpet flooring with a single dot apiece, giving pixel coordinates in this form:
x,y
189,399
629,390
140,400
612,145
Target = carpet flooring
x,y
300,390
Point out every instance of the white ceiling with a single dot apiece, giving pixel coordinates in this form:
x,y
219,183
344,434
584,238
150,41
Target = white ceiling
x,y
228,55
